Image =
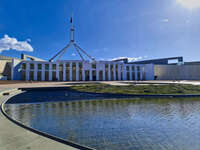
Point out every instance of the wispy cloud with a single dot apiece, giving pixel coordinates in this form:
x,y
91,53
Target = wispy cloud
x,y
8,43
165,20
130,59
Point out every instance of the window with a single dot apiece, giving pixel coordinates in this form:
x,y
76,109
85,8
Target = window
x,y
54,66
23,66
31,66
46,66
60,67
93,66
127,68
138,68
80,66
67,66
39,66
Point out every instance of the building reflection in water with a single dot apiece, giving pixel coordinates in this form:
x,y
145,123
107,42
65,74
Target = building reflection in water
x,y
117,124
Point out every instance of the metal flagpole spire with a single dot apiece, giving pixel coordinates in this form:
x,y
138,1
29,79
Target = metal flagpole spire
x,y
72,42
71,29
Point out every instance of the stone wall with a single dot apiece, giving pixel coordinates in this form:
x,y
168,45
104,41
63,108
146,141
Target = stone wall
x,y
5,68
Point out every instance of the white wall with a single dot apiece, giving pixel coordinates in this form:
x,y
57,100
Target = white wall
x,y
149,72
177,72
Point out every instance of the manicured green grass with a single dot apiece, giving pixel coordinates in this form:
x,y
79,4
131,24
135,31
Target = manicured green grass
x,y
139,89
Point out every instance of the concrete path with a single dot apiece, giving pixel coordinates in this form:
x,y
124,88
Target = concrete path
x,y
13,137
67,84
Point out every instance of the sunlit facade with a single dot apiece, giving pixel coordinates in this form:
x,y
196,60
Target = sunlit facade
x,y
77,70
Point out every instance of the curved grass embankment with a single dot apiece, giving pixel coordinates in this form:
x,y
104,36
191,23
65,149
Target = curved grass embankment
x,y
178,89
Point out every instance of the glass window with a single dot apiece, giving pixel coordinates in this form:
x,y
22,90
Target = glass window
x,y
93,65
73,66
60,67
111,66
54,66
106,66
23,66
127,68
138,68
39,66
31,66
67,66
46,66
80,65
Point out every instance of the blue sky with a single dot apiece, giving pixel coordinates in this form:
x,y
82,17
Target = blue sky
x,y
104,28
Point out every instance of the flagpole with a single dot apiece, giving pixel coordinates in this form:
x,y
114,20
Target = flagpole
x,y
71,30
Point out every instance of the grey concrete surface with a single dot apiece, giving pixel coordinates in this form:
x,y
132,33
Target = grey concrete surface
x,y
13,137
67,83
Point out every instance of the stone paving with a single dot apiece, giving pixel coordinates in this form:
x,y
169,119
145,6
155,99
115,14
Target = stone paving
x,y
13,137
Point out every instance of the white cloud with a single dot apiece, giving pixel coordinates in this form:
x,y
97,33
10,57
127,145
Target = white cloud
x,y
190,4
8,43
73,54
165,20
28,40
130,59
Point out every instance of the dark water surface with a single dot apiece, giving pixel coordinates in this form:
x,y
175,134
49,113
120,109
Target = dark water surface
x,y
157,124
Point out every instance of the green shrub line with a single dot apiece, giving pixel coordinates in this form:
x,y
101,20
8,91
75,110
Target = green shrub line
x,y
138,89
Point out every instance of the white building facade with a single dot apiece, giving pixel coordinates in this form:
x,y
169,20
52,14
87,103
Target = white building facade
x,y
78,70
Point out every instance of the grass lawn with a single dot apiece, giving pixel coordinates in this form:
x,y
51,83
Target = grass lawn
x,y
138,89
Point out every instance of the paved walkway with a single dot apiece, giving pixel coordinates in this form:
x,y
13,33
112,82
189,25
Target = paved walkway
x,y
13,137
67,84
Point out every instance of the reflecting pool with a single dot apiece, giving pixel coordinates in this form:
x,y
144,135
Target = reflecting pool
x,y
137,124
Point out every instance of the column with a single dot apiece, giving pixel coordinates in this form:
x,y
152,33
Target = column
x,y
97,71
64,71
57,71
35,71
124,72
83,73
119,72
70,71
77,71
43,72
109,77
27,71
114,72
104,73
130,72
90,72
136,78
141,75
50,71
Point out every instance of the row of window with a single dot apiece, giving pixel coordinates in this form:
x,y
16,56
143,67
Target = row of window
x,y
39,66
101,76
67,66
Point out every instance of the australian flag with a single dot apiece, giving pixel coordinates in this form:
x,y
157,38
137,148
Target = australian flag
x,y
71,20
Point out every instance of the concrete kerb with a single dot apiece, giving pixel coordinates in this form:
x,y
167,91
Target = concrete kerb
x,y
69,143
9,91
